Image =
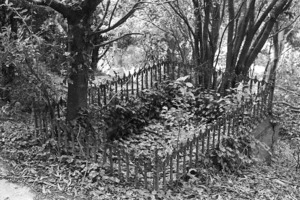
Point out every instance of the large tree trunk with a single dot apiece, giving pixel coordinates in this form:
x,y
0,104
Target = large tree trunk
x,y
78,84
77,93
7,18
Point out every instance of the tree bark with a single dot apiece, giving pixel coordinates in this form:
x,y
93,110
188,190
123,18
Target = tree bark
x,y
79,76
247,37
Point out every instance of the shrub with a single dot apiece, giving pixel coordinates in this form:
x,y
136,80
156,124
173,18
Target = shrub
x,y
232,153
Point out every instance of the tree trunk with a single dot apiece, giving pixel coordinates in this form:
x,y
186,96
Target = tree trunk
x,y
247,37
206,36
78,84
77,93
7,18
270,73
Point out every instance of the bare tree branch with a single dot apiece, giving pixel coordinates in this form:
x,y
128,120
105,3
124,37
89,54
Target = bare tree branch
x,y
289,91
260,41
287,26
181,15
103,18
64,9
104,53
122,20
116,39
113,13
294,108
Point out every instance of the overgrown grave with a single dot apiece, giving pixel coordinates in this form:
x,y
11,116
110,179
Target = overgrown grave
x,y
151,140
187,152
149,170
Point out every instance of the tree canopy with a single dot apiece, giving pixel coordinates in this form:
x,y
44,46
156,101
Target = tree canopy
x,y
208,34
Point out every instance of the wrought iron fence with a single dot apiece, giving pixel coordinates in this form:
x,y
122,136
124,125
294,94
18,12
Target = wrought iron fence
x,y
159,172
148,77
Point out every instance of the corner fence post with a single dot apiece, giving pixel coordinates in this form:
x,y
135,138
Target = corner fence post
x,y
271,95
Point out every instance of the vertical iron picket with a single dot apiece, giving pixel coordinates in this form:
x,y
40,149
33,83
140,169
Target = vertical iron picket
x,y
142,80
208,138
145,174
136,168
165,71
119,163
155,73
159,69
191,153
219,131
197,152
173,71
151,77
184,158
99,96
127,88
127,166
203,141
164,174
147,79
132,83
214,135
171,167
156,169
178,161
137,84
121,89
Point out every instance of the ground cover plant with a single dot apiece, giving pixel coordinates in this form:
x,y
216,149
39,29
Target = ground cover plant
x,y
52,49
172,124
53,178
167,116
229,172
156,121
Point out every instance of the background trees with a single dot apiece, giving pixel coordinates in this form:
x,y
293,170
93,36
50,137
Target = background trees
x,y
210,34
50,46
243,26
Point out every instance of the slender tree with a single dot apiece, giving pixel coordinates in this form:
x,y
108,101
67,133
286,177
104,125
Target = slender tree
x,y
251,31
246,26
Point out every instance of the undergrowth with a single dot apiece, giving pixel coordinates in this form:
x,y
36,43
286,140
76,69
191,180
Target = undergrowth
x,y
163,118
173,103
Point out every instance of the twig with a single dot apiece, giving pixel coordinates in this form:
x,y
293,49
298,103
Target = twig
x,y
84,176
287,90
81,147
116,39
150,132
294,108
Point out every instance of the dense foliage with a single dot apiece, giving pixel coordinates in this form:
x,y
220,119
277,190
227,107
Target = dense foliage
x,y
45,53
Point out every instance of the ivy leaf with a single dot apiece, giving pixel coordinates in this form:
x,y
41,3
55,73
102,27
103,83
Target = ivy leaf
x,y
188,84
182,79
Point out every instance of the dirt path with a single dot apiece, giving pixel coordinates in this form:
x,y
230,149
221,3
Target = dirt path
x,y
12,191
